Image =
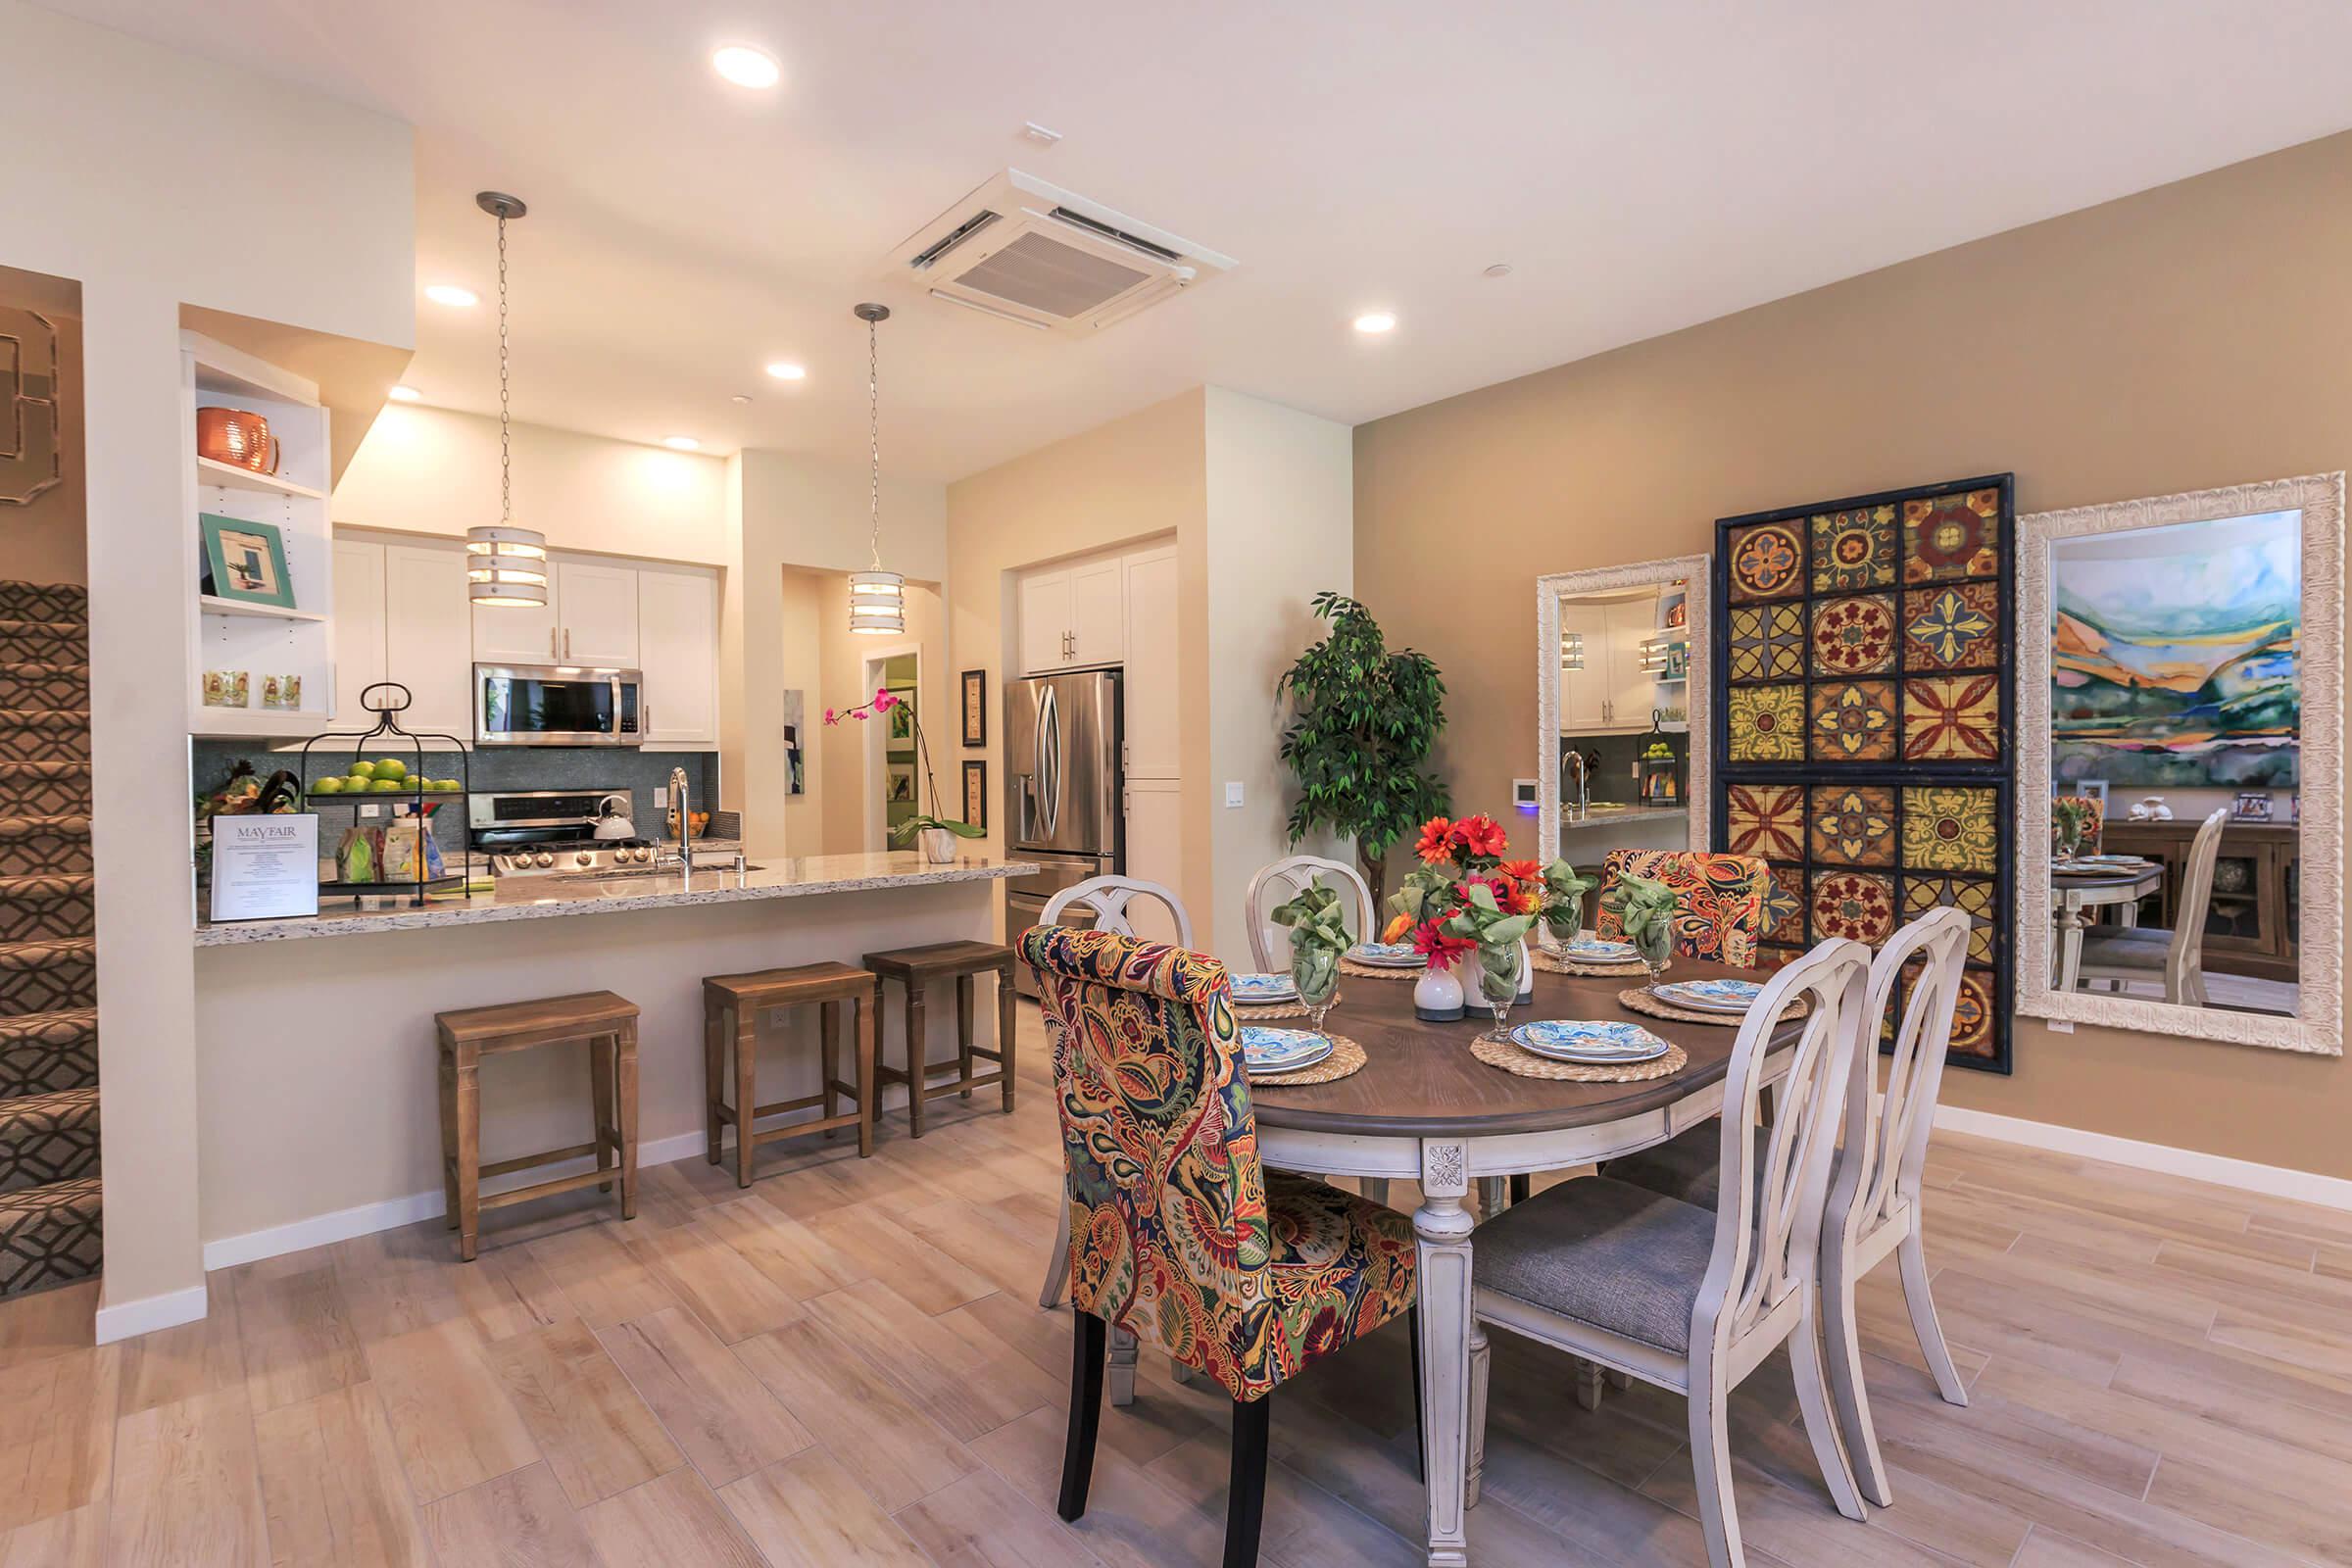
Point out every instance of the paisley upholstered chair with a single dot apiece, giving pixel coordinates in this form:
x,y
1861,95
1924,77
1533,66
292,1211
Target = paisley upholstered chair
x,y
1177,1234
1719,900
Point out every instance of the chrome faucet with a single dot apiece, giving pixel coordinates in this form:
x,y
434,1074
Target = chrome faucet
x,y
681,801
1575,758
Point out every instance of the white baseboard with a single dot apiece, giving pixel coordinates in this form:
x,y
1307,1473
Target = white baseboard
x,y
2275,1181
389,1214
129,1319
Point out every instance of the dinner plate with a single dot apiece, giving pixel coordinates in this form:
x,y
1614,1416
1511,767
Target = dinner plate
x,y
1387,954
1256,989
1268,1051
1594,950
1602,1042
1710,996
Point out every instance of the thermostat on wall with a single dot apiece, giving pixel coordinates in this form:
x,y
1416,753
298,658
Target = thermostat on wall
x,y
1523,795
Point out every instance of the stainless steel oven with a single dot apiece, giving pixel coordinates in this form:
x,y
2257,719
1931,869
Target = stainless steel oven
x,y
556,705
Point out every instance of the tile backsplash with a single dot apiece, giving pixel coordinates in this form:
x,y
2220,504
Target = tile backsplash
x,y
517,768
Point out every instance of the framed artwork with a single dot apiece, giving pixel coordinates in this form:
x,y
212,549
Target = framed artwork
x,y
1865,725
247,560
899,784
975,792
975,708
902,716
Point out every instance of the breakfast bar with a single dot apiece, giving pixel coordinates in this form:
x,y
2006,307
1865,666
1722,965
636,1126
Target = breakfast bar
x,y
318,1109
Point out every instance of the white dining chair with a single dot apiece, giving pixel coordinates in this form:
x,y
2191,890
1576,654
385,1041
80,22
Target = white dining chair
x,y
1690,1300
1874,1210
1105,899
1277,883
2174,958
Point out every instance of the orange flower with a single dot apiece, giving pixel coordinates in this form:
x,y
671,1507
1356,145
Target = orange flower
x,y
1396,928
1481,835
1521,871
1433,847
1525,899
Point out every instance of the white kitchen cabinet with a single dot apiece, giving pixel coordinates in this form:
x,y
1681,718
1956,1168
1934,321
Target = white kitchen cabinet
x,y
1045,616
596,609
1584,693
677,640
1612,692
1633,690
426,627
509,634
358,627
1149,684
1097,613
1155,849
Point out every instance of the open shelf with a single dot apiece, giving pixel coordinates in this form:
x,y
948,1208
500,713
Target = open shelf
x,y
211,471
214,605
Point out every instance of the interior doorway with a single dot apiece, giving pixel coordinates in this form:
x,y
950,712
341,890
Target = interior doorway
x,y
894,774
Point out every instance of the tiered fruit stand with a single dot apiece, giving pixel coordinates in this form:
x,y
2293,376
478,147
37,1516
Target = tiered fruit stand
x,y
417,794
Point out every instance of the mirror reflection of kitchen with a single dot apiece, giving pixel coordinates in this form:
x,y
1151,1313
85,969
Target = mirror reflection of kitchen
x,y
2176,760
1624,721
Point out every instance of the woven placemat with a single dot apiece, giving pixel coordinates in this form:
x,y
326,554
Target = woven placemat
x,y
1367,971
1268,1011
1527,1064
1556,965
1640,1001
1346,1056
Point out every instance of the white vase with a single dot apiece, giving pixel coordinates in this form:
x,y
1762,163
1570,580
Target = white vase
x,y
1438,996
939,846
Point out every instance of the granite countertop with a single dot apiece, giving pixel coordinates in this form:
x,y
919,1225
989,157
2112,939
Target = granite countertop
x,y
545,897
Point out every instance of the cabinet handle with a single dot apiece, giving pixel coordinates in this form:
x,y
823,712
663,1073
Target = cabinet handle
x,y
551,651
567,642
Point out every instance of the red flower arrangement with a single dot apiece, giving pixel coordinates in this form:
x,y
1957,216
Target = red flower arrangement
x,y
1436,909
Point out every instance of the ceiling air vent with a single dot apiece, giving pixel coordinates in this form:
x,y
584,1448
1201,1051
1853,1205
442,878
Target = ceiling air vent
x,y
1024,251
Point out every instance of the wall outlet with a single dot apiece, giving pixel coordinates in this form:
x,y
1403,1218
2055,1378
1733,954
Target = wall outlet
x,y
1233,796
370,808
661,796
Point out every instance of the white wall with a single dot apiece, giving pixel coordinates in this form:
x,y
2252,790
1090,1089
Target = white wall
x,y
1281,528
787,514
115,181
434,470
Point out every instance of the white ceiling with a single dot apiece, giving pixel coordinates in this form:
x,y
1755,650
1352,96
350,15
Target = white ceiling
x,y
1642,165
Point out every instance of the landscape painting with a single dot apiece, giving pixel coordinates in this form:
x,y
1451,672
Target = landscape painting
x,y
2175,654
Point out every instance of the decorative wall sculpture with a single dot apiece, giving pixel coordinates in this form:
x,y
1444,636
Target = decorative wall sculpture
x,y
1865,721
29,460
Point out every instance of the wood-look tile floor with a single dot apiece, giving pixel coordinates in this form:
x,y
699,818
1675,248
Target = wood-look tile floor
x,y
845,1366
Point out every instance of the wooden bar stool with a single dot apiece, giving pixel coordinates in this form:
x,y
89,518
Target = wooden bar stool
x,y
916,968
609,1024
731,1008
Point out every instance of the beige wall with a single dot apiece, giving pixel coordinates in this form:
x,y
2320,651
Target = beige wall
x,y
2185,337
47,541
141,218
785,515
1137,477
432,471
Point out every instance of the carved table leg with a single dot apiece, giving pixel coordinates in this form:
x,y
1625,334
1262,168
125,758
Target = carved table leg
x,y
1442,1230
1481,1357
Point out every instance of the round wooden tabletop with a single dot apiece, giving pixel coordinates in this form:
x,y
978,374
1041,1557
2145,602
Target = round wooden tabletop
x,y
1422,1082
2098,881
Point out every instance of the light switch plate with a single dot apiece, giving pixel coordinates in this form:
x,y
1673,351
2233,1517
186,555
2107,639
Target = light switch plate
x,y
661,796
1233,796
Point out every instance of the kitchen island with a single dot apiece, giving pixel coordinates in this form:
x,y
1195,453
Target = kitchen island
x,y
318,1110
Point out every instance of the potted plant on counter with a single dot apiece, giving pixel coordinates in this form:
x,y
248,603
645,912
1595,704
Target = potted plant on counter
x,y
937,835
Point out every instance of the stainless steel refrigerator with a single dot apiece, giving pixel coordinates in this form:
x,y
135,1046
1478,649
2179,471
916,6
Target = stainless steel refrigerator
x,y
1064,789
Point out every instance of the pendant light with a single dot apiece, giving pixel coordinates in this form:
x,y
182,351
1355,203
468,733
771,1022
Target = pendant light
x,y
877,598
504,566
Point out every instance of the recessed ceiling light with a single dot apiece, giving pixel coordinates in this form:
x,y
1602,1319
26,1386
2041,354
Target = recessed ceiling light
x,y
1499,269
1375,321
739,397
405,394
681,443
747,67
450,294
786,370
1040,134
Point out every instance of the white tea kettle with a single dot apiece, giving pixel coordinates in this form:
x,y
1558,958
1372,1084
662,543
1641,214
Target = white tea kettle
x,y
612,818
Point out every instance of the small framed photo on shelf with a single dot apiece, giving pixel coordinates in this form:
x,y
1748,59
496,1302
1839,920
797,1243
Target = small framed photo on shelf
x,y
899,784
2252,806
247,561
975,792
975,708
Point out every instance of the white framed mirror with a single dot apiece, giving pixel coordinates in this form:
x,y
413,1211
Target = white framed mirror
x,y
2179,683
1622,724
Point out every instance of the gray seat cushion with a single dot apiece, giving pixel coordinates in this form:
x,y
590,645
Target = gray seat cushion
x,y
1689,1168
1606,1253
2132,947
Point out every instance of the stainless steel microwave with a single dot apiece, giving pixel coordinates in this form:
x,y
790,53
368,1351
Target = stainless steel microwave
x,y
556,705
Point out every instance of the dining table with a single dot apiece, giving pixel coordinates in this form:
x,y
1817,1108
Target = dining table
x,y
1422,1108
2074,895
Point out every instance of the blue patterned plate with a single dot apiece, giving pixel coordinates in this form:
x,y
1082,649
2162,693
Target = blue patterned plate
x,y
1711,995
1266,1049
1592,950
1598,1042
1387,954
1258,990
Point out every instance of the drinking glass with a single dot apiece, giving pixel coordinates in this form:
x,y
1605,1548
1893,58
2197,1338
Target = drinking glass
x,y
1315,971
1498,985
1655,945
